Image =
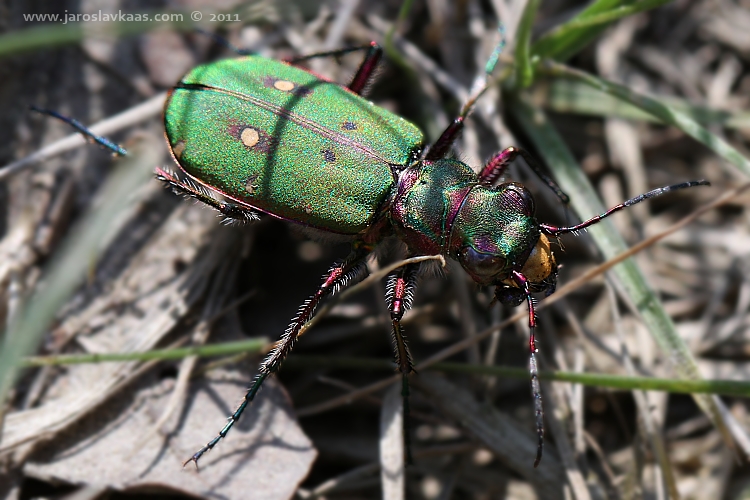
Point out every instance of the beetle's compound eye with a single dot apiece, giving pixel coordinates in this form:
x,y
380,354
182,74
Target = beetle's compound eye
x,y
520,197
483,267
541,262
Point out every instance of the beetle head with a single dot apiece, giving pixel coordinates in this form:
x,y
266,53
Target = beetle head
x,y
496,234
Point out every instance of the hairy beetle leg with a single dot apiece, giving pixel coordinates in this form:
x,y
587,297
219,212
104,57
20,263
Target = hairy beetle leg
x,y
399,296
361,78
500,162
338,277
366,70
186,187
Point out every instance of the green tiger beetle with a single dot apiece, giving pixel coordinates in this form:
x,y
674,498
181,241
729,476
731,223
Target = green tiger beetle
x,y
253,135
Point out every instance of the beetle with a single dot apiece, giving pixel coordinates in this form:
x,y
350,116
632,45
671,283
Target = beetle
x,y
252,135
257,135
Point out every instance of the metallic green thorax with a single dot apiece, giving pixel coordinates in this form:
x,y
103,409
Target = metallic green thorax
x,y
429,195
286,142
443,207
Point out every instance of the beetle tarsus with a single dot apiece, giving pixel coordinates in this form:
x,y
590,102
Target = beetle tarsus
x,y
249,396
536,390
409,459
536,394
399,297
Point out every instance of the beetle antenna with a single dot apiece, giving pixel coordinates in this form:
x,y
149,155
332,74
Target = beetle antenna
x,y
102,141
556,231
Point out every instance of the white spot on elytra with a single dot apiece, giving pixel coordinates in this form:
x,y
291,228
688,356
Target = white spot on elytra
x,y
249,137
284,85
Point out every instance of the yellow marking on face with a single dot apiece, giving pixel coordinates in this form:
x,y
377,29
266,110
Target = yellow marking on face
x,y
541,261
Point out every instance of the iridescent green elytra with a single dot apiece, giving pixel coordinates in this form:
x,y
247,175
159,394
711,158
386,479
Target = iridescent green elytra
x,y
288,143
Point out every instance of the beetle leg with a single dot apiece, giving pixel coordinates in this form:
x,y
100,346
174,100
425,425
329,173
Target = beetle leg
x,y
399,296
232,211
444,143
500,162
366,69
339,276
187,187
442,146
536,391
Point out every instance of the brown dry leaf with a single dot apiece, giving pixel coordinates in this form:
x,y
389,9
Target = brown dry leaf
x,y
267,452
91,429
132,313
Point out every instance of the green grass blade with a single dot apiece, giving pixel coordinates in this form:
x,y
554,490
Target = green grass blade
x,y
735,388
524,64
569,38
572,96
57,35
222,349
586,203
663,112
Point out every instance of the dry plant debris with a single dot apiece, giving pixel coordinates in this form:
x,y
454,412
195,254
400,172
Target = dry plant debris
x,y
167,275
